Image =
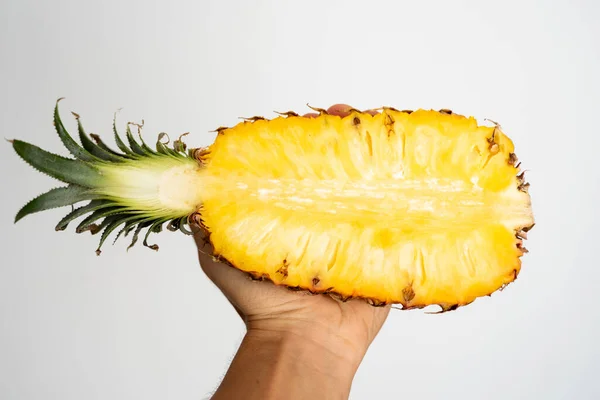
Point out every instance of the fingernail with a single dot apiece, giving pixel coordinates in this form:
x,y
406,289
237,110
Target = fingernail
x,y
311,115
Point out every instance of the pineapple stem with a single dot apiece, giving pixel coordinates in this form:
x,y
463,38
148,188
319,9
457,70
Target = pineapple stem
x,y
135,188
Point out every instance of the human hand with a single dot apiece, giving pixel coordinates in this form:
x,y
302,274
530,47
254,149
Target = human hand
x,y
315,324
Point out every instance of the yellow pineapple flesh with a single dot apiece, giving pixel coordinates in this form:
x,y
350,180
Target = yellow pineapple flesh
x,y
414,208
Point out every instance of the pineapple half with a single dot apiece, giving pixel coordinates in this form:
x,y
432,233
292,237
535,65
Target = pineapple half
x,y
396,207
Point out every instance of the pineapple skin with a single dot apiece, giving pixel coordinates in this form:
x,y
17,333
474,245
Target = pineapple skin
x,y
401,207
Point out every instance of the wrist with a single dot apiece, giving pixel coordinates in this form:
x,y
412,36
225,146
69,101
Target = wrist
x,y
276,364
316,344
316,363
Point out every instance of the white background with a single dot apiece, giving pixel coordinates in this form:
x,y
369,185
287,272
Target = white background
x,y
150,325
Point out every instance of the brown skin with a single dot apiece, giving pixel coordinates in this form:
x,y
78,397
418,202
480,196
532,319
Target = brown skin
x,y
297,345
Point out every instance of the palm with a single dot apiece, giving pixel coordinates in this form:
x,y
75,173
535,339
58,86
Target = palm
x,y
257,302
260,302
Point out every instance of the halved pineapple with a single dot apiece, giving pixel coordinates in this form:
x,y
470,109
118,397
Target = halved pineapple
x,y
411,208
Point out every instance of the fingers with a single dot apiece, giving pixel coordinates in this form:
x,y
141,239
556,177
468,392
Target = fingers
x,y
205,252
211,267
341,110
224,277
371,111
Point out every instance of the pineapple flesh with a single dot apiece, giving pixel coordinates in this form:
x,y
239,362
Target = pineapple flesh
x,y
397,207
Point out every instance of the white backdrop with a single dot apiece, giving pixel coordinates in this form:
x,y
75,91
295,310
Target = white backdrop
x,y
150,325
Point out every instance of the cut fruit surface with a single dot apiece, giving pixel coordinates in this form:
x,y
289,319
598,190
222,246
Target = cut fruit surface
x,y
404,208
412,208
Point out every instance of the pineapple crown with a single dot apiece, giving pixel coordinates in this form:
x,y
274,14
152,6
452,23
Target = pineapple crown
x,y
85,180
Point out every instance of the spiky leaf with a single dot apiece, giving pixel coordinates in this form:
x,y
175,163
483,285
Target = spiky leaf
x,y
59,197
135,147
120,144
69,171
74,148
80,212
93,147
